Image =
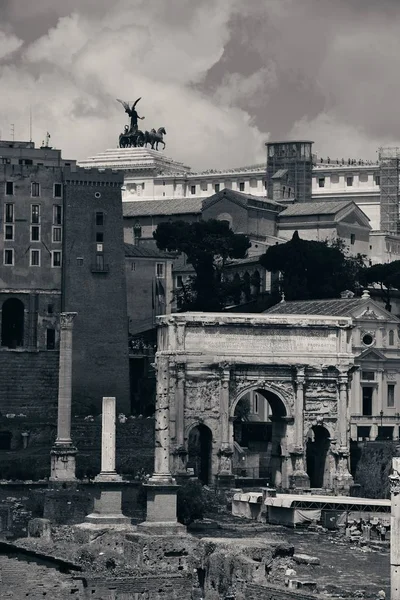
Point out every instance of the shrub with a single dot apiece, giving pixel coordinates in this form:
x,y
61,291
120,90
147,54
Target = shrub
x,y
373,469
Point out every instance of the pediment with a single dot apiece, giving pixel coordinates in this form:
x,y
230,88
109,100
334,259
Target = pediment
x,y
354,216
372,311
372,354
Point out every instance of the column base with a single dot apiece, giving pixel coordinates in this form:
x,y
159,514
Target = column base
x,y
225,480
108,477
299,479
63,460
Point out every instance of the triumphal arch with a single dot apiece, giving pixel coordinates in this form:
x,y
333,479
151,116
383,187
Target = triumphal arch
x,y
208,362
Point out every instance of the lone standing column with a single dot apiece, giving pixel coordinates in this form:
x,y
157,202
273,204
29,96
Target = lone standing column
x,y
108,441
161,517
63,452
107,509
395,529
162,472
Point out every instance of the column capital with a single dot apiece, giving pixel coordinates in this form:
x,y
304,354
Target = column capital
x,y
66,319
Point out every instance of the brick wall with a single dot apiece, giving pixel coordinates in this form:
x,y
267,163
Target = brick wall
x,y
100,339
28,382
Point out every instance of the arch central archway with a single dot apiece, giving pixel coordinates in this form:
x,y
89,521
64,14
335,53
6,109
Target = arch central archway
x,y
258,432
12,323
199,452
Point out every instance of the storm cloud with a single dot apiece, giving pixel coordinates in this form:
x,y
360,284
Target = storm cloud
x,y
222,76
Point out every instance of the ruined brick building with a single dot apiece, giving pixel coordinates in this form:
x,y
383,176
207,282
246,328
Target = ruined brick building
x,y
61,249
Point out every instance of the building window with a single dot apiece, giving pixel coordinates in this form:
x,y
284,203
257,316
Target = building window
x,y
99,236
35,213
192,189
349,180
241,186
368,340
50,339
57,234
367,401
160,271
56,258
9,232
352,239
216,188
9,213
100,262
377,180
8,258
57,214
9,188
391,337
35,233
57,192
99,219
368,375
34,258
35,190
79,261
50,309
390,395
321,182
256,404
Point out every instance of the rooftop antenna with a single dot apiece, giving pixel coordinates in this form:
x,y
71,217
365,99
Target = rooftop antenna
x,y
30,123
13,131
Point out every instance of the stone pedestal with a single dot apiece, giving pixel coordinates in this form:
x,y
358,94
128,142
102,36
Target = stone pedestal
x,y
299,477
395,530
63,453
343,480
107,509
161,511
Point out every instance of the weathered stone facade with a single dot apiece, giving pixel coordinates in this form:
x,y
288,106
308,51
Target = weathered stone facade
x,y
301,365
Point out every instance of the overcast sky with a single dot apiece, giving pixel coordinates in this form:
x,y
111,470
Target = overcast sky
x,y
222,76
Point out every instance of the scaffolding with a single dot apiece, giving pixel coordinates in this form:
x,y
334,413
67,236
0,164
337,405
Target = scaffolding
x,y
389,186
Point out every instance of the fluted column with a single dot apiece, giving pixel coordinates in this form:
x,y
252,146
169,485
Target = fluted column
x,y
225,452
180,451
63,452
343,478
342,409
299,408
395,529
299,477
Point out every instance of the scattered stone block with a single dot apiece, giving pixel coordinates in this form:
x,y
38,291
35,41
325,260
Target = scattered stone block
x,y
297,584
305,559
39,528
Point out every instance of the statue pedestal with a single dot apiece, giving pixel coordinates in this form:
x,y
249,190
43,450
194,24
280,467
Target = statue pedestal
x,y
343,480
63,458
161,511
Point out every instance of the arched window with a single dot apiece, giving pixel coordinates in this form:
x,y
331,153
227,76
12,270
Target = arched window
x,y
12,323
391,337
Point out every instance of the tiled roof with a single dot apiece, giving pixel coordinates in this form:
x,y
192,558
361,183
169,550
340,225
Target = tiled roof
x,y
176,206
304,209
243,199
145,252
342,307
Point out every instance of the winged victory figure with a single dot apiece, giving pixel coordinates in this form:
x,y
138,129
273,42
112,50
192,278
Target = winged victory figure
x,y
132,114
